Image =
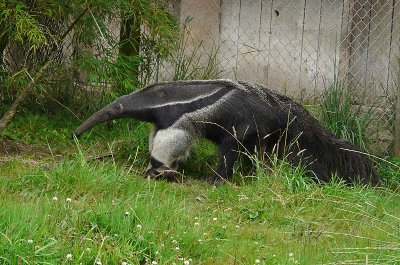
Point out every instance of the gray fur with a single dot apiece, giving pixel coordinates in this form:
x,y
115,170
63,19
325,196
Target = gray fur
x,y
229,112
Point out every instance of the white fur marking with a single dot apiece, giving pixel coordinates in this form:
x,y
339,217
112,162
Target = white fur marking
x,y
185,101
170,145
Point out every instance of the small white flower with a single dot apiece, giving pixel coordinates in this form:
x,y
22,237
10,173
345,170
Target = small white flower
x,y
177,248
174,242
98,262
154,262
290,254
139,226
88,249
237,226
124,263
215,219
186,262
126,213
55,198
257,261
69,200
196,224
69,256
224,226
30,241
196,218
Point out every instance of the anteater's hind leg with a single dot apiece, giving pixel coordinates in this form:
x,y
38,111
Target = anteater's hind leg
x,y
228,154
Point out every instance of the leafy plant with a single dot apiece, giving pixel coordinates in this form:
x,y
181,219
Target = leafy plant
x,y
195,62
344,112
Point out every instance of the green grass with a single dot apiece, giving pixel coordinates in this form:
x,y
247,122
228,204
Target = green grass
x,y
104,210
343,113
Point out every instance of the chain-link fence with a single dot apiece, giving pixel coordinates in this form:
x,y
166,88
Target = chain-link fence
x,y
302,46
299,47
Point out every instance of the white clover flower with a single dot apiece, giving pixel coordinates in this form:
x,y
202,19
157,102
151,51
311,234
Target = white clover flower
x,y
174,242
290,254
124,263
30,241
88,249
69,200
154,262
257,261
215,219
98,262
186,262
196,224
177,248
139,226
126,213
55,198
69,256
224,226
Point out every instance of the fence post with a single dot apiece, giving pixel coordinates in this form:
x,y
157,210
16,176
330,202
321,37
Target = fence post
x,y
397,123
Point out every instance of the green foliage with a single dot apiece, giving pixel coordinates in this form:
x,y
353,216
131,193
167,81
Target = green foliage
x,y
95,62
35,129
389,170
344,112
21,25
198,63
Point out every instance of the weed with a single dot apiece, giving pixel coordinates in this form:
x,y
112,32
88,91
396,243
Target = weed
x,y
343,112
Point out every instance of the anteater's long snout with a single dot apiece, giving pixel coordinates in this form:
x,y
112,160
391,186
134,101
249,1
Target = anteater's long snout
x,y
99,117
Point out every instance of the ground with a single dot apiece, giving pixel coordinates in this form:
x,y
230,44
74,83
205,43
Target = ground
x,y
69,201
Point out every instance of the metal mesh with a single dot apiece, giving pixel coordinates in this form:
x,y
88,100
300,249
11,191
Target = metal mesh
x,y
301,47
